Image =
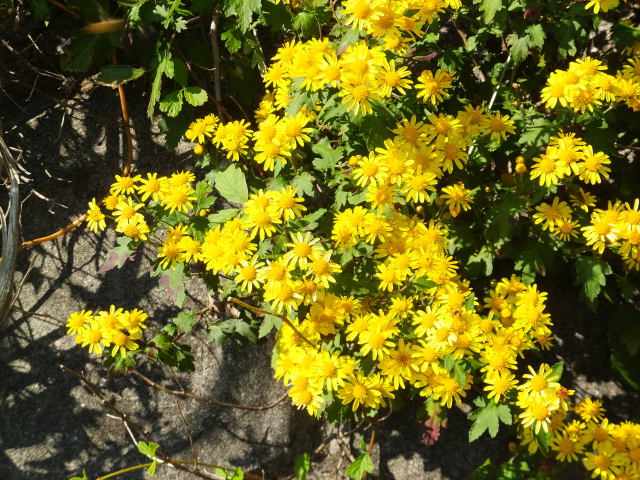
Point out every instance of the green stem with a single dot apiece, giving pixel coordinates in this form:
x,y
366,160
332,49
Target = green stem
x,y
125,470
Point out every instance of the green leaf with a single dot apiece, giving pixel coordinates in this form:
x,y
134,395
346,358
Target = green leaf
x,y
363,464
490,8
83,477
536,35
519,47
556,370
310,222
82,52
301,466
238,474
269,323
165,65
171,104
148,449
487,418
244,9
223,215
542,439
329,156
304,183
591,275
196,96
232,39
232,185
185,321
152,468
306,23
180,72
119,74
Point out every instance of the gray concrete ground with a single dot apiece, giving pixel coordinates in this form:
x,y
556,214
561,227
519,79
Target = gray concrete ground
x,y
51,426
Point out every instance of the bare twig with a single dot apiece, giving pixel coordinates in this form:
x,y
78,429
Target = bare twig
x,y
215,49
160,456
199,398
186,427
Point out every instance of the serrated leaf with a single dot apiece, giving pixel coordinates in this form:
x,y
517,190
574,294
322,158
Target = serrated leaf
x,y
119,74
268,324
357,469
171,104
591,275
301,466
232,185
536,35
185,321
329,156
487,418
490,8
244,9
118,256
519,47
196,96
304,183
164,65
232,39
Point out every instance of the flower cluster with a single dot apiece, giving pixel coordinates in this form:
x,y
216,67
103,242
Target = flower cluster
x,y
617,227
114,329
394,23
127,197
567,156
608,450
585,85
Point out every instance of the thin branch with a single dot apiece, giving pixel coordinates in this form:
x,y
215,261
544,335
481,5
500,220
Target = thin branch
x,y
186,427
161,458
215,49
284,318
199,398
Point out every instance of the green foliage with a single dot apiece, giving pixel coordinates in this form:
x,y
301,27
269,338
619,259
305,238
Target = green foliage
x,y
360,467
232,185
487,418
301,466
591,276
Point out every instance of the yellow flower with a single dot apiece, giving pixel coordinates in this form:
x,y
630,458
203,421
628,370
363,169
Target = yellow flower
x,y
433,88
95,218
457,197
360,390
77,320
